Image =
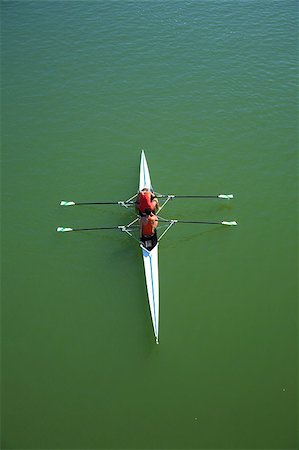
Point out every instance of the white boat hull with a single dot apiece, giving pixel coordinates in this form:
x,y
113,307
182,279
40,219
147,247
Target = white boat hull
x,y
150,258
144,177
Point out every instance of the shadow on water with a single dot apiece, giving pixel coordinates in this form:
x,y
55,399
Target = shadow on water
x,y
224,207
177,240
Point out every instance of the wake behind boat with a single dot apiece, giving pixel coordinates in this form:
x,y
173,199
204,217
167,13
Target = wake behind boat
x,y
149,244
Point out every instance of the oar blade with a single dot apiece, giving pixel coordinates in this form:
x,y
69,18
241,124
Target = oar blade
x,y
64,203
229,223
228,196
63,229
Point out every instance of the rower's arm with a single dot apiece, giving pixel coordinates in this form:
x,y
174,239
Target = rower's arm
x,y
154,199
155,223
137,202
140,227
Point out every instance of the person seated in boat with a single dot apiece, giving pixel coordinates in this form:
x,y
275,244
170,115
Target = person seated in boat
x,y
148,225
146,199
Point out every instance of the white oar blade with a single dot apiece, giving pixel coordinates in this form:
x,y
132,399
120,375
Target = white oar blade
x,y
62,229
64,203
229,223
226,196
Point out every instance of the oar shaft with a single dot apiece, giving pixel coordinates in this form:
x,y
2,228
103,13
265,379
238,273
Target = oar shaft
x,y
64,203
95,228
96,203
174,221
195,221
188,196
65,229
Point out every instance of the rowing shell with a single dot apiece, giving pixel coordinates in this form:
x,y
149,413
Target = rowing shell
x,y
150,258
149,246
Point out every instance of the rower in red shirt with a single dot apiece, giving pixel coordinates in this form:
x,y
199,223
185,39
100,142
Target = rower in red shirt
x,y
146,199
148,225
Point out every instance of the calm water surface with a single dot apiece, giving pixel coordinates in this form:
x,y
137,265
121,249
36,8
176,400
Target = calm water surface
x,y
208,89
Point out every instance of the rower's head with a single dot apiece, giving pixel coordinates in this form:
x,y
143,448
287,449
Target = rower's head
x,y
144,190
148,211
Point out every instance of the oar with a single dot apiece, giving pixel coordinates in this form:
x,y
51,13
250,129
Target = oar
x,y
71,203
66,203
208,223
63,229
228,196
195,221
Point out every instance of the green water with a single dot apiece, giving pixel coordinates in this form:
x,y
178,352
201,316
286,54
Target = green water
x,y
208,89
